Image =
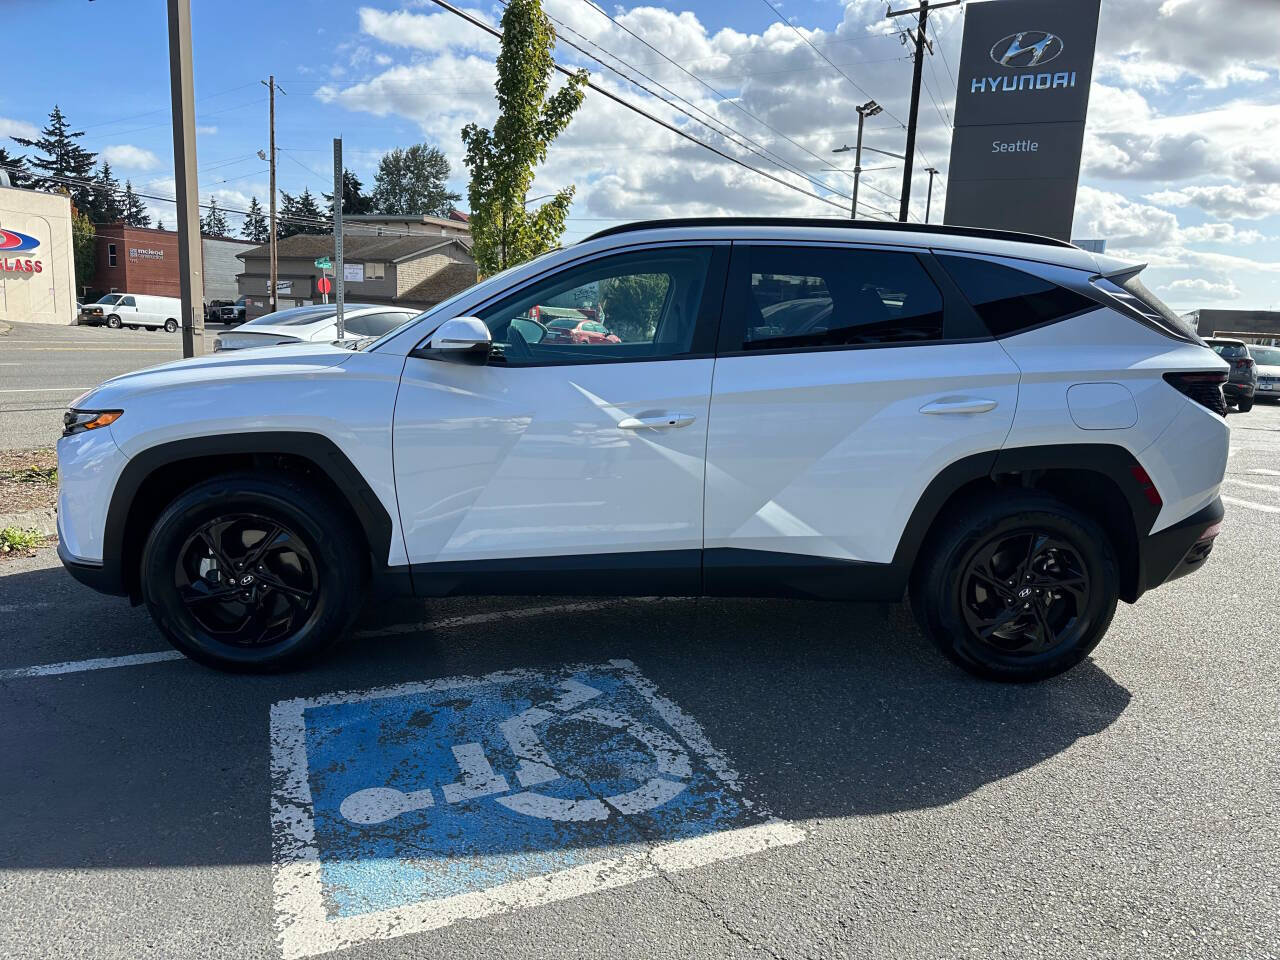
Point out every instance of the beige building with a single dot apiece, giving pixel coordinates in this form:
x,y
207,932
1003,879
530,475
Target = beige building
x,y
413,271
37,265
398,225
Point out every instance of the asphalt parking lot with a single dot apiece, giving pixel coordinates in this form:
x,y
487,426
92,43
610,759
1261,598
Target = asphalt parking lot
x,y
569,778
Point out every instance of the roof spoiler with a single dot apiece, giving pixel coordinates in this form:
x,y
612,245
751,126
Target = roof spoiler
x,y
1120,275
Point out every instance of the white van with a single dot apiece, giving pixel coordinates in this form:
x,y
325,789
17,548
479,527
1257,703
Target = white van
x,y
132,310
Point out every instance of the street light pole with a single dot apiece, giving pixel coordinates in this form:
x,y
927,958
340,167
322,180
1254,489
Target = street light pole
x,y
868,109
933,172
190,259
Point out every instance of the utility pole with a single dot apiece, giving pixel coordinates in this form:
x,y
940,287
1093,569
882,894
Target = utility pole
x,y
933,172
339,264
190,257
270,83
921,41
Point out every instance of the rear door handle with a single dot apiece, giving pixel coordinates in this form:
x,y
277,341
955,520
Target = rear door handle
x,y
959,405
661,421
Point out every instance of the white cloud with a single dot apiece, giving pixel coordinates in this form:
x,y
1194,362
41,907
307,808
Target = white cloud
x,y
430,31
1225,200
129,157
207,131
1222,290
18,128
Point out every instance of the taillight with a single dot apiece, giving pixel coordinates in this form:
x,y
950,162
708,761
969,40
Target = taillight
x,y
1148,486
1245,364
1202,387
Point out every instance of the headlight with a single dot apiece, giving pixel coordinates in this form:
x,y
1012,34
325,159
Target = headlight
x,y
77,421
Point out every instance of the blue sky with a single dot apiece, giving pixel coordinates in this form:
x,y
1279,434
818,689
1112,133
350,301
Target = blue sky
x,y
1180,170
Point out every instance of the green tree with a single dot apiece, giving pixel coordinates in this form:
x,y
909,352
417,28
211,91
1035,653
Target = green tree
x,y
83,246
15,165
60,162
413,180
354,201
107,207
135,212
503,161
214,223
632,304
255,223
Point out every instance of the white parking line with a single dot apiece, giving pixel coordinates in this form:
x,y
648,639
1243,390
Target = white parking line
x,y
1265,472
1269,487
1250,505
136,659
45,390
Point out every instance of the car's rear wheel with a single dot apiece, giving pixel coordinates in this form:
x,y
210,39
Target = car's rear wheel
x,y
1245,406
251,573
170,326
1017,587
113,322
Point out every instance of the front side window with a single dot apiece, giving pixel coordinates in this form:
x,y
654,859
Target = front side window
x,y
127,302
789,298
1010,300
634,306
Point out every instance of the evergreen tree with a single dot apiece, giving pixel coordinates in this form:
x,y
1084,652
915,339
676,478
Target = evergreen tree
x,y
299,214
135,212
15,165
255,223
60,158
353,200
214,223
502,161
107,206
412,181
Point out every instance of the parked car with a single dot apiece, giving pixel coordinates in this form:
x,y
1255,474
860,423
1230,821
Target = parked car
x,y
134,311
581,330
230,311
1014,431
1243,384
313,324
1267,366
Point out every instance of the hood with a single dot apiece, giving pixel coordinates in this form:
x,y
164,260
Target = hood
x,y
297,359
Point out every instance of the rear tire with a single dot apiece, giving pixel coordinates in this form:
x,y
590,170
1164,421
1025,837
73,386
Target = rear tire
x,y
1245,406
1017,587
304,581
170,326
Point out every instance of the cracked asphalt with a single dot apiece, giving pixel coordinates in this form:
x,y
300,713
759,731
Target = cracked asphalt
x,y
1127,809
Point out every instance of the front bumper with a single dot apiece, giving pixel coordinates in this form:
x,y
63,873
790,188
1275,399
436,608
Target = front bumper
x,y
95,576
1180,549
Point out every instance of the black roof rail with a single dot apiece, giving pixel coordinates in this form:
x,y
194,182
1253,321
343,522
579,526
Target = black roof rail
x,y
875,225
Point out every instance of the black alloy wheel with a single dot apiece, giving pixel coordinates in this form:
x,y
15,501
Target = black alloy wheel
x,y
247,580
1025,593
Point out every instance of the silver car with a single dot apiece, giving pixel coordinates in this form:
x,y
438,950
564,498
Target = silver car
x,y
1267,361
314,324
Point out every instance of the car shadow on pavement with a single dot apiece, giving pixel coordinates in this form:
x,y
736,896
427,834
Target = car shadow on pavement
x,y
825,709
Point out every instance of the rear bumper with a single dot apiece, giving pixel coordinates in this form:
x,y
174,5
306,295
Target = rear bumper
x,y
1180,549
1238,391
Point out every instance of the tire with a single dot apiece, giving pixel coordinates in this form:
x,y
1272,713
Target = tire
x,y
305,590
113,322
1245,406
132,326
170,326
1072,590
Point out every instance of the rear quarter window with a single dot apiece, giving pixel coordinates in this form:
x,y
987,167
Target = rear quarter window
x,y
1009,300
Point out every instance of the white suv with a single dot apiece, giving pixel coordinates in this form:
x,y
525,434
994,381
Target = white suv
x,y
1014,430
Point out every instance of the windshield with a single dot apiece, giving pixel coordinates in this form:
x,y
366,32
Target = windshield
x,y
111,298
1266,356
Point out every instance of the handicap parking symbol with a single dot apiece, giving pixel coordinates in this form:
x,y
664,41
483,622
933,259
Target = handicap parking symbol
x,y
405,809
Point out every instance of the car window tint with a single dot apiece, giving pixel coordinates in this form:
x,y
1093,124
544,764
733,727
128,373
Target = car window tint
x,y
1010,300
1229,351
798,297
127,302
375,324
640,305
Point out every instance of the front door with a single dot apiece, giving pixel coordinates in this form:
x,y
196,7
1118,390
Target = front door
x,y
842,388
562,465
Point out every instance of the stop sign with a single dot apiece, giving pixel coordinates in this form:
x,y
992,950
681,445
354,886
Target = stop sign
x,y
324,285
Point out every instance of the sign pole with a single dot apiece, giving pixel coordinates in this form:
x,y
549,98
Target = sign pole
x,y
190,265
338,269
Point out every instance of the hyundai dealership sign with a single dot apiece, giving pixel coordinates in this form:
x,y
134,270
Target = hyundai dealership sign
x,y
1023,91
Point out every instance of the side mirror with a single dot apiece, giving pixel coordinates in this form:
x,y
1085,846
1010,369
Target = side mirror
x,y
460,340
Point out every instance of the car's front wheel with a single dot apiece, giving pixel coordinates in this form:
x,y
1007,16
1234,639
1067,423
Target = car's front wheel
x,y
251,573
113,322
1017,587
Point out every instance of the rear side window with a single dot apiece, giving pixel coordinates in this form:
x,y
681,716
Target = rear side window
x,y
802,297
1009,300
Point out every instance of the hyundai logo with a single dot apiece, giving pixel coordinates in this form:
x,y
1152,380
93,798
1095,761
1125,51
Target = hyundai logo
x,y
1029,48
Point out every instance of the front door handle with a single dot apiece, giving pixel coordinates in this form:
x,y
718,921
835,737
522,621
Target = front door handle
x,y
959,405
661,421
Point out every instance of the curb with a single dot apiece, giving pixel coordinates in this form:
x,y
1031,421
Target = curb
x,y
44,521
4,329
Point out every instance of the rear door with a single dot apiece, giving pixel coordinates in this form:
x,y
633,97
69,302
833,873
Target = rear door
x,y
845,382
568,466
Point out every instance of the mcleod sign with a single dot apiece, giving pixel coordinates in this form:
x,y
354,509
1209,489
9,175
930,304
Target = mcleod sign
x,y
1021,100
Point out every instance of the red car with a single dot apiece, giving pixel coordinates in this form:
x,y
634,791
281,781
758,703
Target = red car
x,y
576,330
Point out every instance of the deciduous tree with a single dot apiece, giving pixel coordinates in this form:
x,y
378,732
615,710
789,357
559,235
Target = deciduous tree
x,y
412,181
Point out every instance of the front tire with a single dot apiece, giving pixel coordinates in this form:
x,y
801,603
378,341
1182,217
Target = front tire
x,y
252,573
1018,587
113,322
